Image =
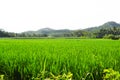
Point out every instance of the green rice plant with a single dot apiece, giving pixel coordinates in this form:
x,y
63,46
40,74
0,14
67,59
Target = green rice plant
x,y
24,59
110,74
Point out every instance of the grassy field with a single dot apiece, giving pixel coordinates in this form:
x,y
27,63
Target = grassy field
x,y
79,59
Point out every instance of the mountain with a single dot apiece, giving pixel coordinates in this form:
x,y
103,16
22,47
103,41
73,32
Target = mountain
x,y
106,25
49,31
44,31
110,24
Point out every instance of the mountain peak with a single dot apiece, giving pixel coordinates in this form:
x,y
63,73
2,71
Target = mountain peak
x,y
111,24
45,29
106,25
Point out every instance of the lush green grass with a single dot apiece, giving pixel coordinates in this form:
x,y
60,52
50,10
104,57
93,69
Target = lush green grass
x,y
84,58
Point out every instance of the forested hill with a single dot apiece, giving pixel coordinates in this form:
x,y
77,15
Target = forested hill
x,y
106,25
48,31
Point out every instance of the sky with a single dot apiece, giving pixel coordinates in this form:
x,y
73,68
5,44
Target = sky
x,y
24,15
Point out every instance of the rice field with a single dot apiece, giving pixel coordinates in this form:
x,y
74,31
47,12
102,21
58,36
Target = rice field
x,y
51,59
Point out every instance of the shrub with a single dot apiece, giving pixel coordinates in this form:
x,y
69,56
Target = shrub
x,y
108,36
111,36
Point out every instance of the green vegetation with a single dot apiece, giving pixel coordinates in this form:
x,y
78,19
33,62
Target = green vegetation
x,y
58,59
109,30
110,74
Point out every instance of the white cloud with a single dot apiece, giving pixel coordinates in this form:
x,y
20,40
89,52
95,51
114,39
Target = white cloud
x,y
22,15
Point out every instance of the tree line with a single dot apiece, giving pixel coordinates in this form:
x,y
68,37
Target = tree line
x,y
102,33
113,33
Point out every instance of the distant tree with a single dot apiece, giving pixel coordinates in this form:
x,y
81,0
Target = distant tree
x,y
4,34
108,32
78,33
67,35
44,35
108,36
81,33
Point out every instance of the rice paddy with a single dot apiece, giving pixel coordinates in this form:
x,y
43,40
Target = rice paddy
x,y
40,59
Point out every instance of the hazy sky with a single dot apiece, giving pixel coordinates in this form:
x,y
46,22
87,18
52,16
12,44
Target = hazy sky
x,y
23,15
